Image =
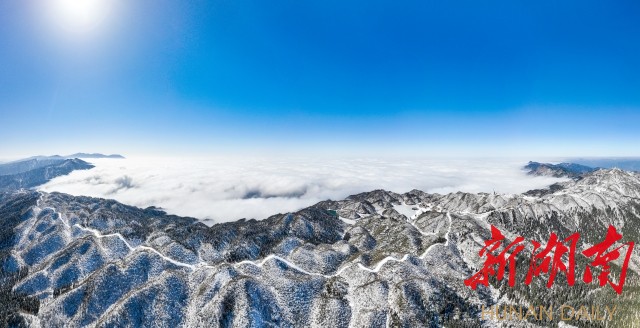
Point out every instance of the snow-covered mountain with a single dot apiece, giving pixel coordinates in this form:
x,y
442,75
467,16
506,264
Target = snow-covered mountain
x,y
34,172
37,170
374,259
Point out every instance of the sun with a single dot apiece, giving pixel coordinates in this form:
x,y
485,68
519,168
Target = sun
x,y
77,17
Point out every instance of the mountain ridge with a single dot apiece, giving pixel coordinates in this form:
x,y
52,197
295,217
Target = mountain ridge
x,y
76,155
41,173
410,266
568,170
37,170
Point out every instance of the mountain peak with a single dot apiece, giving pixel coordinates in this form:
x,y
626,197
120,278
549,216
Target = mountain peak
x,y
562,170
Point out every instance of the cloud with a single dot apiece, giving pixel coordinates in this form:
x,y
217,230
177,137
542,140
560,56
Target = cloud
x,y
227,189
123,182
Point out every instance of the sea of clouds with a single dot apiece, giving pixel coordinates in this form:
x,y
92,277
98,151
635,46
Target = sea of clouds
x,y
227,189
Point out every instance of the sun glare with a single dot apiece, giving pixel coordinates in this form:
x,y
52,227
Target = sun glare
x,y
79,17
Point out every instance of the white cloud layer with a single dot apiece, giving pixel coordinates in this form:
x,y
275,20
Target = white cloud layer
x,y
229,189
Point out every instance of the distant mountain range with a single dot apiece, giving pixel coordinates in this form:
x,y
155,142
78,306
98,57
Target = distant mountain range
x,y
570,170
578,167
375,259
629,164
94,155
76,155
34,171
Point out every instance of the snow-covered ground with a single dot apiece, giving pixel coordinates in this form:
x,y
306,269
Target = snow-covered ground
x,y
368,266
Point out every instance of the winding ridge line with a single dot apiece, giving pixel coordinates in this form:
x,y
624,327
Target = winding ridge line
x,y
256,263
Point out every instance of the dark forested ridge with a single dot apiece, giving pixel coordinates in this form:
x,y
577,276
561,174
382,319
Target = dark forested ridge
x,y
42,173
13,209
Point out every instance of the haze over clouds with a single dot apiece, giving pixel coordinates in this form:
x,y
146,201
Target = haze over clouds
x,y
227,190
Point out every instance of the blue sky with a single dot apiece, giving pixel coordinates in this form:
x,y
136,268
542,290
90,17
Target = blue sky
x,y
432,78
